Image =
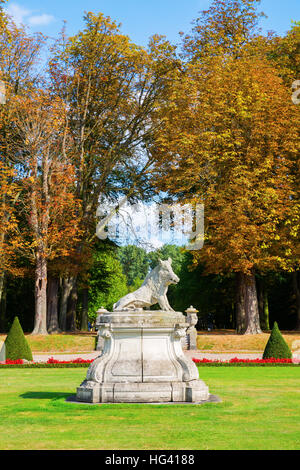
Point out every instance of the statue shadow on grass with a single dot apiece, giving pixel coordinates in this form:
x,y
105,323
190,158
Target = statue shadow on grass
x,y
44,395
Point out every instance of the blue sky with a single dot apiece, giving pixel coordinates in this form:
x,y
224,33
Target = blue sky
x,y
140,18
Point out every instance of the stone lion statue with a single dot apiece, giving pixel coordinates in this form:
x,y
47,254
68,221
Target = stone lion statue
x,y
152,291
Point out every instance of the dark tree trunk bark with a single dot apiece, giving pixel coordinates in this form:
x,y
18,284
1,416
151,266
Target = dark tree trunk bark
x,y
85,306
240,304
52,305
72,304
263,304
260,296
266,311
296,289
247,305
251,306
40,320
66,287
2,301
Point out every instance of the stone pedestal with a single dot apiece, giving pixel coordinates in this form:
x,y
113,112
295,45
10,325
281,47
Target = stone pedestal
x,y
142,361
100,339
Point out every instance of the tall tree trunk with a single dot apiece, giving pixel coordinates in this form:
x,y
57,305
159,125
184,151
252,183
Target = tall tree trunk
x,y
263,304
72,304
240,304
52,305
2,282
40,320
251,306
66,288
266,311
247,305
85,306
296,289
2,301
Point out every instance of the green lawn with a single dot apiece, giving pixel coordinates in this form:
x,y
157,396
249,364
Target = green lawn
x,y
260,410
72,343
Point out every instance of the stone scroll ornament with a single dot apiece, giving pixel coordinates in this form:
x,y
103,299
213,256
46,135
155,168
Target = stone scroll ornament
x,y
152,291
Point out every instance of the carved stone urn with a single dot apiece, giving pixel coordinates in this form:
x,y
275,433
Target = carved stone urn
x,y
142,361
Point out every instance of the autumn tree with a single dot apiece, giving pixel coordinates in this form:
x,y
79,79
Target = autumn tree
x,y
110,87
229,141
48,188
285,55
18,57
9,237
224,29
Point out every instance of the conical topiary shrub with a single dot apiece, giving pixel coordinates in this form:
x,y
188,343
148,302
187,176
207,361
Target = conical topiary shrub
x,y
16,346
277,347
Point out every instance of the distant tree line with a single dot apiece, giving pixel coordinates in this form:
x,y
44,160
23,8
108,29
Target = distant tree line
x,y
116,271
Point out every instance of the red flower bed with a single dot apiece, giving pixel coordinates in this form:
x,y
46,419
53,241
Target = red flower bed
x,y
51,360
262,361
11,361
244,361
204,361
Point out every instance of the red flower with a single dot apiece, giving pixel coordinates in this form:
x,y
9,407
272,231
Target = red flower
x,y
246,361
16,361
51,360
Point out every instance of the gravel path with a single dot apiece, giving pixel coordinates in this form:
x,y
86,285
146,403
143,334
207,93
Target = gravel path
x,y
43,357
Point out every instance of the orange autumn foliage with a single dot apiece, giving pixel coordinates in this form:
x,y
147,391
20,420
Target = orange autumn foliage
x,y
10,239
231,141
49,202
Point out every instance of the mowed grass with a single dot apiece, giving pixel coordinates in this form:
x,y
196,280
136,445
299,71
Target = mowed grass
x,y
66,342
229,341
260,410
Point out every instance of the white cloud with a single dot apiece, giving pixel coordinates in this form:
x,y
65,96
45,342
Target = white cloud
x,y
18,13
40,19
22,15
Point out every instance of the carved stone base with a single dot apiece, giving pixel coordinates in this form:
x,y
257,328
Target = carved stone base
x,y
142,361
140,392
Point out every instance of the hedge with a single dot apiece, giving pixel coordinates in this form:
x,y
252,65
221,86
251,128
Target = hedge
x,y
276,346
16,345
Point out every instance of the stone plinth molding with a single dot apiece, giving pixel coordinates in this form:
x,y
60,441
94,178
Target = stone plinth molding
x,y
142,361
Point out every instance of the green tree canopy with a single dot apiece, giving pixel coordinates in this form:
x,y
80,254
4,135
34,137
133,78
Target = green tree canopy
x,y
107,281
135,262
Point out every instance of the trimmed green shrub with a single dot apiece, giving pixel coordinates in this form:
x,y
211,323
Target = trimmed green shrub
x,y
277,347
16,345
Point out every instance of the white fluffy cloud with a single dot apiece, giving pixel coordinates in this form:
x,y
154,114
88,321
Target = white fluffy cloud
x,y
22,15
40,19
17,12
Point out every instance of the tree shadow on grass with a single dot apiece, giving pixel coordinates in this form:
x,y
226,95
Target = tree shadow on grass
x,y
45,395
